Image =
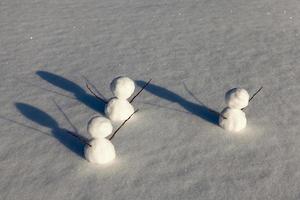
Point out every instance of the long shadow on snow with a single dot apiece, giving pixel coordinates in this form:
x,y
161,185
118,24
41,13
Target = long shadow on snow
x,y
80,94
196,109
42,118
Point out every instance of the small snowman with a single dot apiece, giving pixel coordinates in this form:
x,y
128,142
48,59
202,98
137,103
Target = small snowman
x,y
99,150
233,118
119,108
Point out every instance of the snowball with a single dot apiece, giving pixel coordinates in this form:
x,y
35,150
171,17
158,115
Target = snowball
x,y
118,109
235,120
237,98
122,87
101,151
99,127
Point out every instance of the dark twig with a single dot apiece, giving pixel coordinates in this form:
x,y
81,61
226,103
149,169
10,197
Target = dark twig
x,y
113,135
256,93
94,88
29,127
140,90
24,125
84,140
198,100
79,137
65,115
52,91
217,113
95,95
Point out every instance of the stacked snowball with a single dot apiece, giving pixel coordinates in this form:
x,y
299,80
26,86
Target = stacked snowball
x,y
233,119
118,108
100,150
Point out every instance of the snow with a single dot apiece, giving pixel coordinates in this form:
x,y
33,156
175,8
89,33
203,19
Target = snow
x,y
173,147
118,110
232,119
99,127
122,87
237,98
100,151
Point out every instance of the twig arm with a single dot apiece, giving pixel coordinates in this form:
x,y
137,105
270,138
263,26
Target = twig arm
x,y
113,135
198,100
140,90
95,95
78,137
216,112
256,93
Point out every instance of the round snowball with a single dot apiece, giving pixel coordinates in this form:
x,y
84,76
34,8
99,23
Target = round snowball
x,y
99,127
101,151
235,120
122,87
118,109
237,98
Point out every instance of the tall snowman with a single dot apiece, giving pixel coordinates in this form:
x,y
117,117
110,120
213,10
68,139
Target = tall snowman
x,y
233,118
119,108
99,150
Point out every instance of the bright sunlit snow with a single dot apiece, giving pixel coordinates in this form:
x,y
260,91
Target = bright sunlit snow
x,y
173,148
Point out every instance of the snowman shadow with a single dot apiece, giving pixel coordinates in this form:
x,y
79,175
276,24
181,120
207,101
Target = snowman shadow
x,y
197,109
42,118
79,93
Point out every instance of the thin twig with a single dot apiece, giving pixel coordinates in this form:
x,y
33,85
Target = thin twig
x,y
26,126
84,140
217,113
94,88
79,137
256,93
95,95
65,116
113,135
140,90
198,100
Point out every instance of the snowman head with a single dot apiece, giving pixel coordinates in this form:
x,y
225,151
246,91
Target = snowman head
x,y
122,87
237,98
99,127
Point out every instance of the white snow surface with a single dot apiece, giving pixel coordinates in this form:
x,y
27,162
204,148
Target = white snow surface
x,y
173,148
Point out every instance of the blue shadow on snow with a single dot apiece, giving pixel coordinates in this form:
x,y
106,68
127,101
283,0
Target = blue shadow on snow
x,y
42,118
197,109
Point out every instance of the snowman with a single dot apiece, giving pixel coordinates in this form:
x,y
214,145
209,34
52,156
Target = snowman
x,y
99,150
119,108
233,118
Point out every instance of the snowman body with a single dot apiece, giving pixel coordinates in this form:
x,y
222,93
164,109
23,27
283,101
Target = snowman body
x,y
232,118
100,150
119,108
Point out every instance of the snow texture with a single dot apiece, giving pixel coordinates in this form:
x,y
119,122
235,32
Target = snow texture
x,y
118,110
173,148
237,98
122,87
233,120
99,127
101,151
